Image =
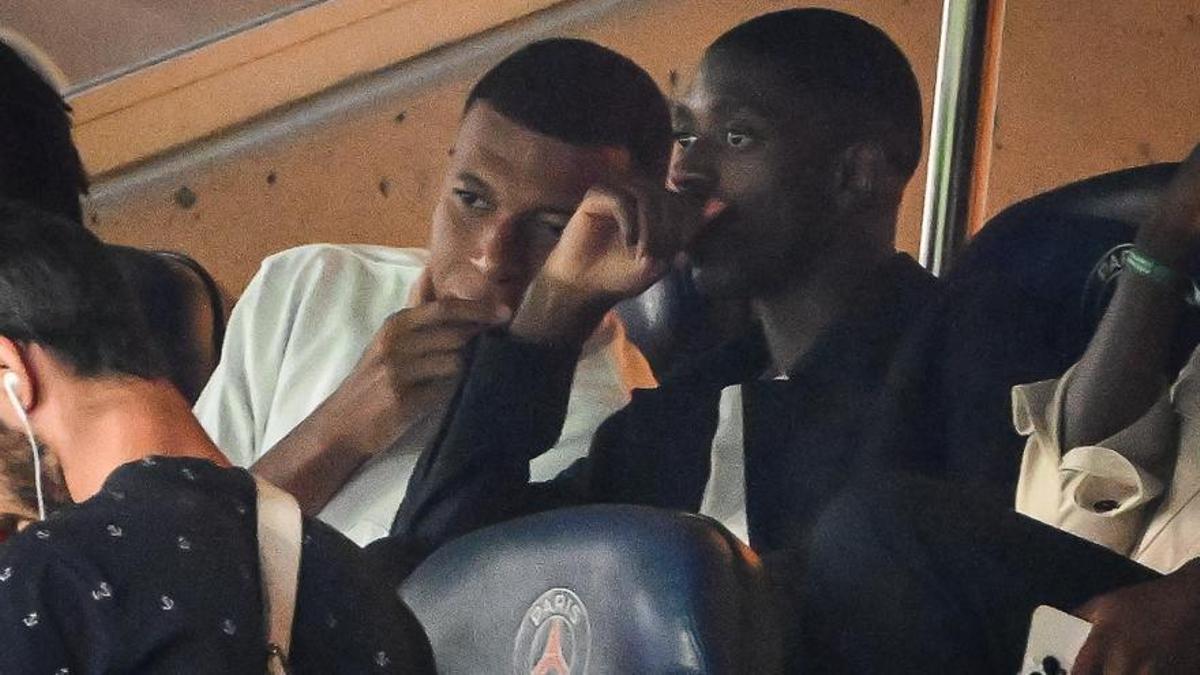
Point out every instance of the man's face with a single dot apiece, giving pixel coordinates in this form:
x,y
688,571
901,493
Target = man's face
x,y
744,136
507,196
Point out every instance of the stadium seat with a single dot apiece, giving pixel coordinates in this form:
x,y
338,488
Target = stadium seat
x,y
600,590
1019,305
185,310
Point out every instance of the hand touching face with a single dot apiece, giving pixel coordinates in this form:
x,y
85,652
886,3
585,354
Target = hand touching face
x,y
623,239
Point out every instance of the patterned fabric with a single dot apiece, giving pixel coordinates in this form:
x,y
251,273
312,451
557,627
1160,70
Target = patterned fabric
x,y
158,573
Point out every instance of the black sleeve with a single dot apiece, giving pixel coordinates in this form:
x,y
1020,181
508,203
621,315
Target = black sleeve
x,y
510,409
946,411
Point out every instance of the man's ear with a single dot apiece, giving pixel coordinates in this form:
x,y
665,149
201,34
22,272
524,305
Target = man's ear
x,y
863,177
13,360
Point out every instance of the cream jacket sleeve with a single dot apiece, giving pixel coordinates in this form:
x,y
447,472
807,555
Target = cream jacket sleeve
x,y
1102,493
233,405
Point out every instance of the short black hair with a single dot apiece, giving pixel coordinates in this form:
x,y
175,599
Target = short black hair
x,y
583,94
39,163
843,59
59,288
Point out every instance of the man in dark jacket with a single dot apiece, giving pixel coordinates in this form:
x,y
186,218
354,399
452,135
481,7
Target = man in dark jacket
x,y
793,148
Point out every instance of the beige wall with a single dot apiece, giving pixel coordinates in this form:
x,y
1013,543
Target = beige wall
x,y
90,39
1089,87
1084,87
360,175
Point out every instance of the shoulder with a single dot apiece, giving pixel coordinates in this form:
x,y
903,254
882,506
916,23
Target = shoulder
x,y
46,578
911,282
327,275
332,259
44,561
308,283
90,578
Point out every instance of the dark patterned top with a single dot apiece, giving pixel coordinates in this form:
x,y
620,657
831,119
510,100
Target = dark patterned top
x,y
158,573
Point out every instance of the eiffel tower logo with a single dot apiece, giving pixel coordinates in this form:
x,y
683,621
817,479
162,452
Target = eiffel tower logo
x,y
553,662
554,637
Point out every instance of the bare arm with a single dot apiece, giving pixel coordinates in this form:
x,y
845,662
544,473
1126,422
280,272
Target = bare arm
x,y
1125,368
407,373
321,453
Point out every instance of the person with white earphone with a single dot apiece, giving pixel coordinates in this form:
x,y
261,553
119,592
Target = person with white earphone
x,y
11,382
156,566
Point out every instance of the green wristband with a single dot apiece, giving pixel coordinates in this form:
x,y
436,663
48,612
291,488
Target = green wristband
x,y
1143,265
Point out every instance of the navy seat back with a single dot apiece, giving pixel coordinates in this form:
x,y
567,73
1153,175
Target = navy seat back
x,y
598,589
659,321
1020,305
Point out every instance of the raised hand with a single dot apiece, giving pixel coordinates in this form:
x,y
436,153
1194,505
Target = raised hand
x,y
619,242
411,365
406,374
1172,237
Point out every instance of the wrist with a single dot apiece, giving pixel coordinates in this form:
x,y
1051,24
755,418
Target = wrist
x,y
1144,268
337,425
553,312
1166,246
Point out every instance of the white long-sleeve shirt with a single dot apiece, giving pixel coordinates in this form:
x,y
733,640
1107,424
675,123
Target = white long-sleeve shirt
x,y
296,333
1105,492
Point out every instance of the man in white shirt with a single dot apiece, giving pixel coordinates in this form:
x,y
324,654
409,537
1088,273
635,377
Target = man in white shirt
x,y
340,361
907,574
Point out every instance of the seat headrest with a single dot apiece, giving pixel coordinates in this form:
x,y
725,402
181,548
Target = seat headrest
x,y
660,318
601,589
170,287
1128,195
1052,249
1097,213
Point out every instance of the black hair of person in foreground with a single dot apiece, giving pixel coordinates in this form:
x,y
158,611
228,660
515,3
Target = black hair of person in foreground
x,y
41,166
793,148
155,570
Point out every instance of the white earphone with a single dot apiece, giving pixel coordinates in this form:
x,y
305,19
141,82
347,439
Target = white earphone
x,y
11,381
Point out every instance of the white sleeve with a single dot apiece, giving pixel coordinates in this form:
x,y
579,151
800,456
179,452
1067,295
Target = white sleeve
x,y
298,330
1096,492
235,404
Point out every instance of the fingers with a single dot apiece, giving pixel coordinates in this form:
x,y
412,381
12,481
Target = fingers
x,y
437,326
441,338
1090,660
443,365
688,216
650,218
653,222
616,204
452,312
425,292
1108,649
669,214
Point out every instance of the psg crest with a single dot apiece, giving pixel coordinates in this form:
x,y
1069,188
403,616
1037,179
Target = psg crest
x,y
555,636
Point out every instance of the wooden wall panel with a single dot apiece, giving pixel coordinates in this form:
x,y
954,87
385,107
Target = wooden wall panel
x,y
1090,87
357,166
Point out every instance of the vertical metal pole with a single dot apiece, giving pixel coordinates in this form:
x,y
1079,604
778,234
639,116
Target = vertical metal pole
x,y
964,96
